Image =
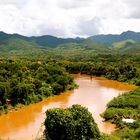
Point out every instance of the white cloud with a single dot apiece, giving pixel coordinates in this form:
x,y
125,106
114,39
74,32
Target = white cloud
x,y
89,27
69,18
133,8
113,26
72,4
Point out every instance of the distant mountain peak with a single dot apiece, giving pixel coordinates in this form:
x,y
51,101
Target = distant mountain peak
x,y
129,32
109,39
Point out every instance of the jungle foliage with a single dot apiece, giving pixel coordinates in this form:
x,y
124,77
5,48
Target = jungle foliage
x,y
29,81
115,67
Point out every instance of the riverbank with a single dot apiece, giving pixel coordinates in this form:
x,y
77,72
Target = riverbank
x,y
26,82
11,109
122,108
119,70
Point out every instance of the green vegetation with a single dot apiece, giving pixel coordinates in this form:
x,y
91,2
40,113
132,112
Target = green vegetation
x,y
74,123
111,67
33,68
26,81
123,44
125,106
15,44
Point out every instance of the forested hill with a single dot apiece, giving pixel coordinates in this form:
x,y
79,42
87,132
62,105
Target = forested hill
x,y
43,41
16,44
109,39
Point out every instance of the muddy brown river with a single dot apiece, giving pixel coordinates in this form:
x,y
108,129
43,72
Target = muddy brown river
x,y
94,93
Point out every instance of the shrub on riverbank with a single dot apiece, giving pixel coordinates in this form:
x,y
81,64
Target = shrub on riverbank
x,y
74,123
125,106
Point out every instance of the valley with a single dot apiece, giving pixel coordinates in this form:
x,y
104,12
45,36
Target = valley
x,y
38,69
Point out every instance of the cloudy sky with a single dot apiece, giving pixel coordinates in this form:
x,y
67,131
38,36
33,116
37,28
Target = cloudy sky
x,y
69,18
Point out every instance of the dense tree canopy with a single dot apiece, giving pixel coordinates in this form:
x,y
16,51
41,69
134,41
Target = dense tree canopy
x,y
121,70
27,81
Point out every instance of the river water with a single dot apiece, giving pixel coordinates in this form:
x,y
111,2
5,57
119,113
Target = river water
x,y
93,92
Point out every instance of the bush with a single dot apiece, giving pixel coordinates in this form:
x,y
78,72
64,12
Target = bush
x,y
74,123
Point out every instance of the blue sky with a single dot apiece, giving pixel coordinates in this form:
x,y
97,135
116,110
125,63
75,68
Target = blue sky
x,y
69,18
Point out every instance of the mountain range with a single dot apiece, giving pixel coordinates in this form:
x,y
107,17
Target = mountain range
x,y
110,38
126,42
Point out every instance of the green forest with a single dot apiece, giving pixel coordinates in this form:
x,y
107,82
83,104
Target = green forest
x,y
29,81
34,68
